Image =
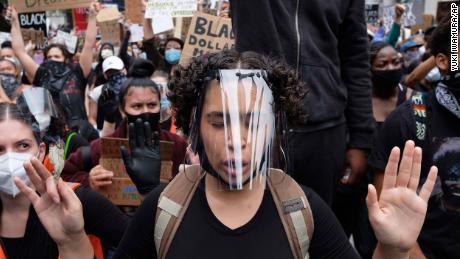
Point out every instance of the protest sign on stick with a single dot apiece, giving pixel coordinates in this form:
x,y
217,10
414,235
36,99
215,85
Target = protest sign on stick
x,y
32,6
207,33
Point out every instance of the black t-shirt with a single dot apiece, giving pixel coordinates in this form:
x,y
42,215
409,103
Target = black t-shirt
x,y
67,84
440,237
202,235
102,219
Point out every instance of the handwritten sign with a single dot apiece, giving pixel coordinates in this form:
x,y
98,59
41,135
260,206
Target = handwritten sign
x,y
37,37
122,191
170,8
133,11
110,32
67,39
207,33
31,6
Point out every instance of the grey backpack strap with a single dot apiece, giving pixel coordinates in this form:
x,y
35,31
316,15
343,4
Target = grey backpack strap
x,y
172,205
294,211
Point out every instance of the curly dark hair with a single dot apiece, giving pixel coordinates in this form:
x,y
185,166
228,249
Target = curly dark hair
x,y
190,82
439,41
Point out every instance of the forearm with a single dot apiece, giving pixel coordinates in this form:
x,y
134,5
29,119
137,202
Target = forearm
x,y
77,248
17,41
394,34
148,30
420,72
384,252
86,57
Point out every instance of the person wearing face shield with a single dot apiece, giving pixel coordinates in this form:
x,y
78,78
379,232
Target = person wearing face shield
x,y
65,81
229,206
139,98
432,119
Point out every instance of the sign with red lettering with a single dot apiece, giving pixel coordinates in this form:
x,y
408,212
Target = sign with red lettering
x,y
207,33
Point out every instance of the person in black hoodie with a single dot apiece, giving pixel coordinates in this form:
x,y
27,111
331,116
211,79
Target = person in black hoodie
x,y
326,42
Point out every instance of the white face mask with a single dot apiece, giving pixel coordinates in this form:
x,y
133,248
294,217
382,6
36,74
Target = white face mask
x,y
11,165
105,53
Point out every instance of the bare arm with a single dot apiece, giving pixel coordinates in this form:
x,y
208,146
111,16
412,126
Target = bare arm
x,y
148,30
18,45
420,72
86,57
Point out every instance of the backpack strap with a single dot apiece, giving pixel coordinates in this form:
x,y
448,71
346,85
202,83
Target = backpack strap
x,y
294,211
172,205
418,101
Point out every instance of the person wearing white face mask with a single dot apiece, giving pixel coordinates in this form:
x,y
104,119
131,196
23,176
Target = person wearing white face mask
x,y
22,221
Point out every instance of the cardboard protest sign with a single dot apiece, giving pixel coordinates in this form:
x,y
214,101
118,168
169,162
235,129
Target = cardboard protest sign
x,y
110,32
37,37
428,20
170,8
31,6
108,25
207,33
133,11
123,191
67,39
108,14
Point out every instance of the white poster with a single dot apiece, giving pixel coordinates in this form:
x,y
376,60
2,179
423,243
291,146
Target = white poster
x,y
170,8
162,24
69,40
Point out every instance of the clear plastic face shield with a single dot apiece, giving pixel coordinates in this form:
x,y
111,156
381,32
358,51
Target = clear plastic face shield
x,y
39,102
236,128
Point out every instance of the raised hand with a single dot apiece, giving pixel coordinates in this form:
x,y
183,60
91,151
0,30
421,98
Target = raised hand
x,y
398,215
57,206
12,14
94,8
143,165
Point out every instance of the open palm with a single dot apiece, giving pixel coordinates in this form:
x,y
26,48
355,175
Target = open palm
x,y
398,215
57,206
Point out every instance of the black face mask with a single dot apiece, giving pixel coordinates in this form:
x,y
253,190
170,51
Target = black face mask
x,y
452,81
151,117
385,82
9,84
